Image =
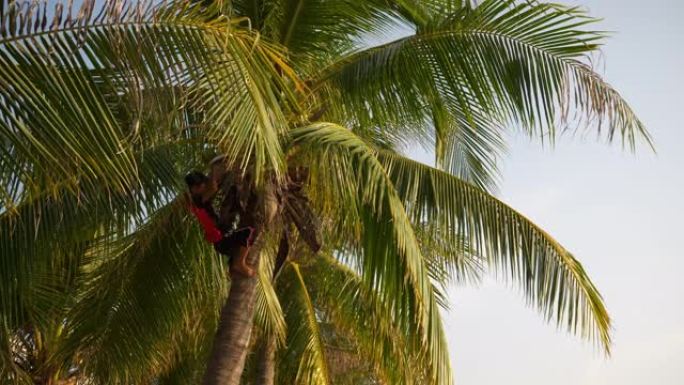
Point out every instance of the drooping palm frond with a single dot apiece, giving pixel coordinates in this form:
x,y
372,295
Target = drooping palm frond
x,y
189,344
23,256
46,227
56,122
113,103
31,341
448,262
551,278
85,112
138,291
317,31
381,236
305,354
39,237
467,142
393,353
269,316
501,61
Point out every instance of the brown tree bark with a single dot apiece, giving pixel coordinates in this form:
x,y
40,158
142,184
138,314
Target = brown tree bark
x,y
266,362
231,342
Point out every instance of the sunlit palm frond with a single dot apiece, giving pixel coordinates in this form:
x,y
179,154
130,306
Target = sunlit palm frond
x,y
56,119
519,63
551,278
390,256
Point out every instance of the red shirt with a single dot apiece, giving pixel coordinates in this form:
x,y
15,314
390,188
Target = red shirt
x,y
211,231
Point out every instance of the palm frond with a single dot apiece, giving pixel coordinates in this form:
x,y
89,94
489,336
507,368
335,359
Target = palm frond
x,y
190,344
391,350
520,63
268,313
551,278
448,262
138,292
381,235
304,359
45,228
468,143
338,25
57,119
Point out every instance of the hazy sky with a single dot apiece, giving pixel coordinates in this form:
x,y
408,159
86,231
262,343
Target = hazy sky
x,y
621,214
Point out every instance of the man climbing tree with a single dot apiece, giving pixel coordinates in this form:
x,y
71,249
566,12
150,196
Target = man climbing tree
x,y
228,241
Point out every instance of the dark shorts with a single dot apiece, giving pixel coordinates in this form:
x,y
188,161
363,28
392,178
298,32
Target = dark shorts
x,y
243,237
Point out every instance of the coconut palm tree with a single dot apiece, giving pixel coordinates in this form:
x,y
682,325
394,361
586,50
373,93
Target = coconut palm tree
x,y
102,110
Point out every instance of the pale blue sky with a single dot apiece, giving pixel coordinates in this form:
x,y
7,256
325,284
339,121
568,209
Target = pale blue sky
x,y
619,213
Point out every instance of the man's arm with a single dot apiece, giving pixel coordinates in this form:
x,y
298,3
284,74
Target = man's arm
x,y
212,189
218,169
216,174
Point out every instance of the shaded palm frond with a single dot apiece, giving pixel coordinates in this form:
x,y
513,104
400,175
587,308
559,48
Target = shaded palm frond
x,y
303,361
46,228
138,291
339,26
468,143
269,317
393,352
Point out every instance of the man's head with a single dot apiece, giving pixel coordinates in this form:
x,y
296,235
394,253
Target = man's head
x,y
197,183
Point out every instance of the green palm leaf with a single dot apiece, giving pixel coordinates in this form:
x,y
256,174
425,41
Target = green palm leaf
x,y
50,226
55,113
139,290
103,109
393,352
269,316
550,276
519,63
391,259
305,352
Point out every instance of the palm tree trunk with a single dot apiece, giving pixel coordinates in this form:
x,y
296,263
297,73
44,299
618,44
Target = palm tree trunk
x,y
231,342
266,362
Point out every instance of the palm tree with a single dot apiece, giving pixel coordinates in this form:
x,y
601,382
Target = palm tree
x,y
103,109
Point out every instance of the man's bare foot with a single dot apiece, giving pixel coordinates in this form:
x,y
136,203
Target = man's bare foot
x,y
242,269
248,270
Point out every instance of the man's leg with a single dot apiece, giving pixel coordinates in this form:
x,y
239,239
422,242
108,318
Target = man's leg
x,y
237,245
240,263
236,253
